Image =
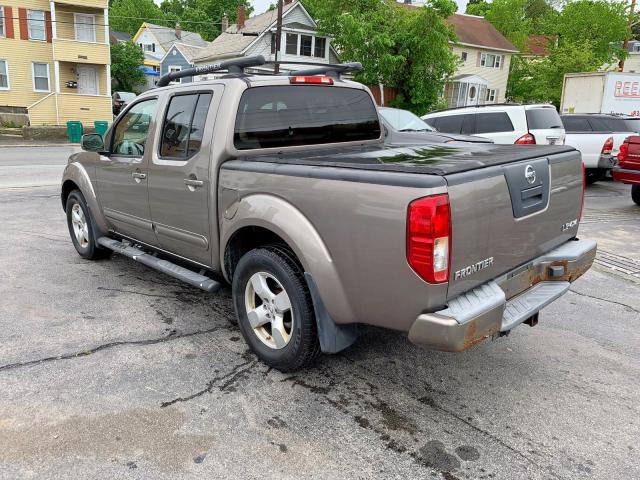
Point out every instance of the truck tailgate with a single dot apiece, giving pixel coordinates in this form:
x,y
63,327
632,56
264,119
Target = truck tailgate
x,y
503,216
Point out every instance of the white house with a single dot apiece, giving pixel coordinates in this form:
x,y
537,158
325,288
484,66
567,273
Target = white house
x,y
300,40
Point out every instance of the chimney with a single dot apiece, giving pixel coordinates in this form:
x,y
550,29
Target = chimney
x,y
241,17
178,31
225,22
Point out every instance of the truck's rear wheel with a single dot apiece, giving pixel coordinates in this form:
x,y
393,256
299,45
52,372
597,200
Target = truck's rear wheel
x,y
274,308
635,194
81,228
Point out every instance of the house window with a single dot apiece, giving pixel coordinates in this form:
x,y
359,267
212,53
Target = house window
x,y
175,68
148,47
85,27
2,31
292,44
40,77
4,75
491,95
490,60
463,56
306,45
35,23
320,47
636,48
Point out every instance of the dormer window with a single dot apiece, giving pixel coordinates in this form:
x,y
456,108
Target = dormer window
x,y
304,45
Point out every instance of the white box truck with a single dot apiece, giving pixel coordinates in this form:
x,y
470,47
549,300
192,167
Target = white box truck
x,y
601,92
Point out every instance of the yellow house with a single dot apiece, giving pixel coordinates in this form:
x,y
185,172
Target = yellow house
x,y
55,62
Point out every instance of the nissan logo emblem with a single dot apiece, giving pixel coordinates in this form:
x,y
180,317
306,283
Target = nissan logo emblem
x,y
530,174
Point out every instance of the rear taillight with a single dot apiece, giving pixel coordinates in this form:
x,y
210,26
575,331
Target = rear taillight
x,y
311,80
526,139
623,153
584,186
429,237
607,148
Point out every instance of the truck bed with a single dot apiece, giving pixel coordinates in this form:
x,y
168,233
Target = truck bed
x,y
425,159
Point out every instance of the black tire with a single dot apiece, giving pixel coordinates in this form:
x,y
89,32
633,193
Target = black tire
x,y
303,345
91,250
635,194
594,175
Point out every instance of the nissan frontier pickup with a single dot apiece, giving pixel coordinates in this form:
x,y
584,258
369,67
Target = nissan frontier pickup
x,y
281,186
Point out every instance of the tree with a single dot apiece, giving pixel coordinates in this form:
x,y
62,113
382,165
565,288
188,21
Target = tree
x,y
128,15
202,16
405,48
126,58
477,7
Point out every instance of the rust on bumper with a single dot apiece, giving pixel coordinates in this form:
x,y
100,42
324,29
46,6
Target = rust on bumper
x,y
453,330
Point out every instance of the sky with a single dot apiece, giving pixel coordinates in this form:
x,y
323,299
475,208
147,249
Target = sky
x,y
262,5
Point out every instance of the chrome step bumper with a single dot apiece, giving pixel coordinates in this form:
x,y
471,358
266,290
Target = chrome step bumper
x,y
485,310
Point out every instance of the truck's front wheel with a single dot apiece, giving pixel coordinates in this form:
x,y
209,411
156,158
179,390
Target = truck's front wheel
x,y
274,308
81,228
635,194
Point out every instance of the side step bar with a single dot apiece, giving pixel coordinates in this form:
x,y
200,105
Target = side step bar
x,y
188,276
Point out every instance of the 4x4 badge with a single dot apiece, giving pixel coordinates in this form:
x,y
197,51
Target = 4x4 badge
x,y
530,174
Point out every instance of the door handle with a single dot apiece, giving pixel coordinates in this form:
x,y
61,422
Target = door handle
x,y
138,176
192,182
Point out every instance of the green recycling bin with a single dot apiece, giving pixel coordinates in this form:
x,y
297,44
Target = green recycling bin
x,y
101,127
74,131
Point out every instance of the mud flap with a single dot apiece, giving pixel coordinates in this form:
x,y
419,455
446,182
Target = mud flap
x,y
333,338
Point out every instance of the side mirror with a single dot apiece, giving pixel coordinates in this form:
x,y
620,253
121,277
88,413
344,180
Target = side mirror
x,y
92,142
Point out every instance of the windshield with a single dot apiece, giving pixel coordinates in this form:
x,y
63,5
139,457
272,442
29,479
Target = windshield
x,y
405,121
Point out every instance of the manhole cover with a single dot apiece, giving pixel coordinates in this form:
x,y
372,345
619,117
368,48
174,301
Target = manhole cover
x,y
618,263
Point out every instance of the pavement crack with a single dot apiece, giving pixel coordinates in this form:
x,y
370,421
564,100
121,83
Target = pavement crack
x,y
121,290
69,356
582,294
228,379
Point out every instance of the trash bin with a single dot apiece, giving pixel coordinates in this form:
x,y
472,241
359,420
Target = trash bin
x,y
74,131
101,127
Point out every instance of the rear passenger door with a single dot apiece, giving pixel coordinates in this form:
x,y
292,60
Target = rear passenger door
x,y
180,193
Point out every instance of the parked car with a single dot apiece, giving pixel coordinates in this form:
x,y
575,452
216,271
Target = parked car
x,y
282,187
503,123
402,127
598,137
121,100
627,169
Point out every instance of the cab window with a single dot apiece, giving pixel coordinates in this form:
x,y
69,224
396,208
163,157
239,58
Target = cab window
x,y
131,132
183,125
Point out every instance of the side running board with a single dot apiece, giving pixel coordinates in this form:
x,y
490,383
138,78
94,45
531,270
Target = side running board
x,y
188,276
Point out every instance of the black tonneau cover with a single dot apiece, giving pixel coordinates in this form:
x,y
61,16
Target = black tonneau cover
x,y
437,159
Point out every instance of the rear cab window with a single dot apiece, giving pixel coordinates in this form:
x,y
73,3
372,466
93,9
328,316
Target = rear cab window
x,y
576,124
287,116
616,124
543,118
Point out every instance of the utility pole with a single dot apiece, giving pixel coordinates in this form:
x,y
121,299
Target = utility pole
x,y
625,44
276,67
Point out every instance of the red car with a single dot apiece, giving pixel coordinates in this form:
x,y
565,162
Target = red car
x,y
628,168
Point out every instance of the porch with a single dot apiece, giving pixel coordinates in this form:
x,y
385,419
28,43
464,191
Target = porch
x,y
467,90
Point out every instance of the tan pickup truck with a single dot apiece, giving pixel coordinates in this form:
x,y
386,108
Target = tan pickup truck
x,y
282,187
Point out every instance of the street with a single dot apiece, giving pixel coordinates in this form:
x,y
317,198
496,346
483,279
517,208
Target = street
x,y
112,370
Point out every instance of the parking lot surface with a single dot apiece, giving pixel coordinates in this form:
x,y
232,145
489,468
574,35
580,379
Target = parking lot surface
x,y
111,370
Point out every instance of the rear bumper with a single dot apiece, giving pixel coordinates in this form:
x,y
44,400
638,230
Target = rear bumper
x,y
626,176
505,302
606,161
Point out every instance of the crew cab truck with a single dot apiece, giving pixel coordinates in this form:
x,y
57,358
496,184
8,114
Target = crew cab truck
x,y
627,170
281,186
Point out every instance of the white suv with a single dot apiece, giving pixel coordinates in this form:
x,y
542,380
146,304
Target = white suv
x,y
506,124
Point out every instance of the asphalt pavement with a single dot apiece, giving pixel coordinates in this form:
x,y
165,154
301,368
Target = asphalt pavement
x,y
111,370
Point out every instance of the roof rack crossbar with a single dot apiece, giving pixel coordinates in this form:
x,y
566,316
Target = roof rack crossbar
x,y
334,70
234,66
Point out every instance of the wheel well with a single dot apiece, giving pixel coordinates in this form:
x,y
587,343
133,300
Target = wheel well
x,y
246,239
67,187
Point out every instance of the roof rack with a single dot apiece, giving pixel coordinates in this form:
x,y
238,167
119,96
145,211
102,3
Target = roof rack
x,y
330,69
234,66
